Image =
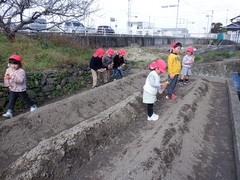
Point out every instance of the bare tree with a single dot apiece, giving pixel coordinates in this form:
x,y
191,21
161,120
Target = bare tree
x,y
15,15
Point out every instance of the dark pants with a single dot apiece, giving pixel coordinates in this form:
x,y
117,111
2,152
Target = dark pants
x,y
116,71
23,96
171,85
150,109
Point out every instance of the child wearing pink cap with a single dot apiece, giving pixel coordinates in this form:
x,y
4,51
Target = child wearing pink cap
x,y
187,63
15,80
107,63
118,63
96,65
174,68
152,86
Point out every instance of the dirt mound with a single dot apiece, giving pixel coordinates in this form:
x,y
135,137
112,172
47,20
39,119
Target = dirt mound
x,y
103,133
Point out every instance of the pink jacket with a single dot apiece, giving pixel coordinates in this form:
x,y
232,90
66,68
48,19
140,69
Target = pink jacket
x,y
18,81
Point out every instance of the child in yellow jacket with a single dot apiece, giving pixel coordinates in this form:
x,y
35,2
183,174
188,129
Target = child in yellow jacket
x,y
174,68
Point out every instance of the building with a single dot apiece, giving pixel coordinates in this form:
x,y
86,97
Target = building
x,y
146,28
233,29
142,28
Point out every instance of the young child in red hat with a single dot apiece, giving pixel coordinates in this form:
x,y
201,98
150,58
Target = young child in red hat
x,y
174,68
107,63
118,63
15,80
96,65
152,86
187,63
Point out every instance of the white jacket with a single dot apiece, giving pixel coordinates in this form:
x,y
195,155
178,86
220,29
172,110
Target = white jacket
x,y
152,83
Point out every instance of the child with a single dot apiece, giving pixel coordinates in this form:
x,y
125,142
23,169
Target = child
x,y
118,63
96,65
15,80
152,86
107,63
187,63
174,68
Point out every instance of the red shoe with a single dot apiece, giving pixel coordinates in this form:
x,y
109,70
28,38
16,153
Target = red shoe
x,y
174,96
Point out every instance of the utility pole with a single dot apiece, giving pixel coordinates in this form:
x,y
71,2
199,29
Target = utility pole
x,y
211,18
177,16
129,16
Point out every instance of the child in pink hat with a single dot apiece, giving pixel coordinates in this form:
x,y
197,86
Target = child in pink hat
x,y
118,63
107,63
96,65
15,80
152,86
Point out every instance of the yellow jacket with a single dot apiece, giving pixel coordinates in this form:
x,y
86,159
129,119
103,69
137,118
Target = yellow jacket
x,y
174,64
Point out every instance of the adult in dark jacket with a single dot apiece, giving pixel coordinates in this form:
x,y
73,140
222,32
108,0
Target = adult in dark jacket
x,y
118,63
96,65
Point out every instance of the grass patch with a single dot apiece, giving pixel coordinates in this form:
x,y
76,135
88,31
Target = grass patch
x,y
216,56
39,54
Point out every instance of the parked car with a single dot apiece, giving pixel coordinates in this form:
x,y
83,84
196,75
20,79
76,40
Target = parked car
x,y
39,24
91,30
105,29
74,27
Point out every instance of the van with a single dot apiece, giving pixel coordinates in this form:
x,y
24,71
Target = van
x,y
105,29
74,27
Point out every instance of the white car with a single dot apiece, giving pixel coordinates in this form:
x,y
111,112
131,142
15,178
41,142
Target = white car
x,y
39,24
74,27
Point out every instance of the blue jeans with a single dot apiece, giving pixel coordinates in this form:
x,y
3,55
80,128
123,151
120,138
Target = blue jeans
x,y
171,85
23,96
116,71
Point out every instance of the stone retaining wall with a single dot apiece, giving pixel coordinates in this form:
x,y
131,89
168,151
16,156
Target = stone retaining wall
x,y
49,85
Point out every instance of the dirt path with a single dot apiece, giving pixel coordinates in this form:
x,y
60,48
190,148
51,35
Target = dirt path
x,y
103,134
192,140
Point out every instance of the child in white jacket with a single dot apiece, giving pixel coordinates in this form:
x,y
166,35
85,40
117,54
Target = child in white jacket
x,y
152,86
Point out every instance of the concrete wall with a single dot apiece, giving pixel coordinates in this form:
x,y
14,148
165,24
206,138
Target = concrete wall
x,y
122,41
221,69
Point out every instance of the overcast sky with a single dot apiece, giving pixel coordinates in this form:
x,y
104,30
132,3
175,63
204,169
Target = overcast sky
x,y
193,14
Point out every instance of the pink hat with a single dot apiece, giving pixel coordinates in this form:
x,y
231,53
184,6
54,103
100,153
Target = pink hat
x,y
122,52
152,65
161,65
110,51
100,51
175,44
190,49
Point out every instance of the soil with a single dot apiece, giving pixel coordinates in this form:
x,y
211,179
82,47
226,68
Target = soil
x,y
192,139
103,133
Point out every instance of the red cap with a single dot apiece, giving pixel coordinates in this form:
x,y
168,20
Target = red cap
x,y
190,49
100,51
16,57
161,64
110,51
152,65
122,52
175,44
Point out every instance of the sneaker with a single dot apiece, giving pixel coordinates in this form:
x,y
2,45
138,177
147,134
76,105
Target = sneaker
x,y
8,114
152,118
181,83
174,96
33,108
185,82
155,115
